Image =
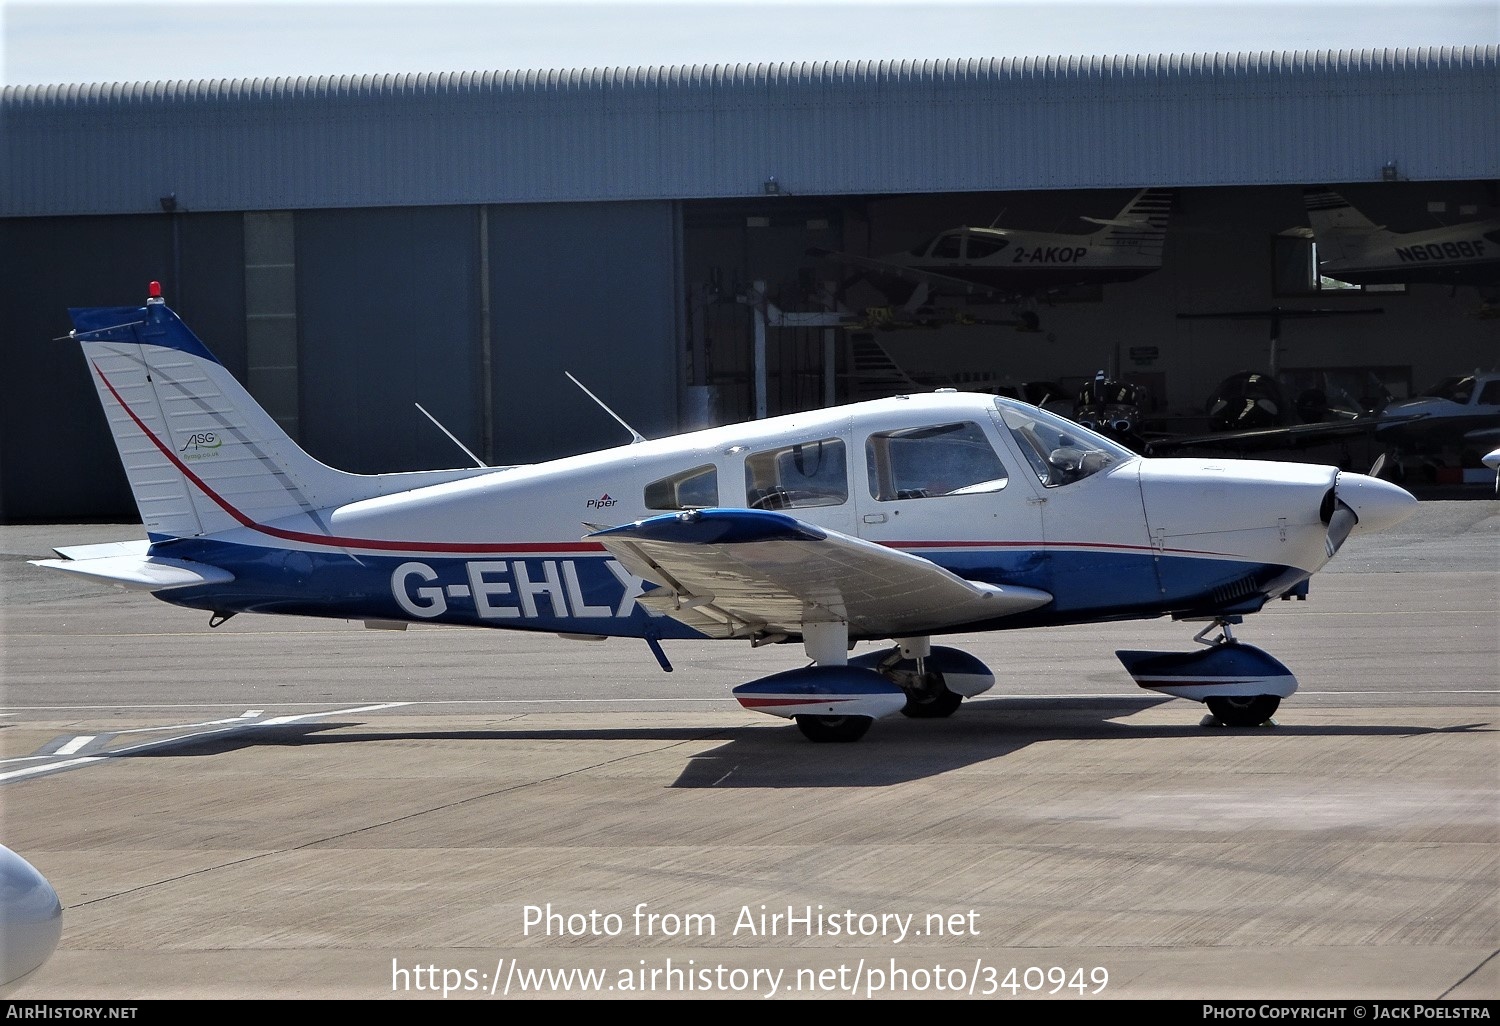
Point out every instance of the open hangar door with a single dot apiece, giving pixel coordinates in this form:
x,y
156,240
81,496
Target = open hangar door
x,y
744,260
790,308
1241,251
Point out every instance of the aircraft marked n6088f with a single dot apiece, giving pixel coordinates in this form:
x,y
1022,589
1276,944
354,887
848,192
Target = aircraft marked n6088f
x,y
888,522
1354,249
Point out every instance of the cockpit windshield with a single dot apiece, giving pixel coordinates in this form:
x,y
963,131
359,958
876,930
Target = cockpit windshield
x,y
1059,451
1458,390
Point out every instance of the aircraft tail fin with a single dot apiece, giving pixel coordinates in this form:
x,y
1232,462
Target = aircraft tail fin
x,y
200,453
1339,230
1141,225
1327,211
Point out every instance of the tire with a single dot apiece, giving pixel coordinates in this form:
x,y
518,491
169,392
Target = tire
x,y
931,705
833,728
1243,710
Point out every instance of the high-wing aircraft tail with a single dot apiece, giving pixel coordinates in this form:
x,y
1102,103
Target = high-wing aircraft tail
x,y
1340,230
1328,212
201,455
1356,250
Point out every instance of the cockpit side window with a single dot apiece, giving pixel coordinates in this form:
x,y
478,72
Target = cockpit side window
x,y
981,246
812,473
1456,390
925,462
1059,451
692,489
949,247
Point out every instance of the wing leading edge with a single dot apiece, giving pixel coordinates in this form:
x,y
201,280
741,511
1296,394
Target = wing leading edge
x,y
737,573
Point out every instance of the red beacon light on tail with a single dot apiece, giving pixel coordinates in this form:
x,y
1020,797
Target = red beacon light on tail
x,y
153,294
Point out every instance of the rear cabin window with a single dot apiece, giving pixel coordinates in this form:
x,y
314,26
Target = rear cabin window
x,y
692,489
812,473
926,462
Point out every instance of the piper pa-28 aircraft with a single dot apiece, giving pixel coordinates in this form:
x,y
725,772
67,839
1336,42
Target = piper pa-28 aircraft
x,y
892,521
1012,263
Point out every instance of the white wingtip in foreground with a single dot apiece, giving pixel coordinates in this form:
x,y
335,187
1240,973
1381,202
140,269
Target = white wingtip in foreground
x,y
30,919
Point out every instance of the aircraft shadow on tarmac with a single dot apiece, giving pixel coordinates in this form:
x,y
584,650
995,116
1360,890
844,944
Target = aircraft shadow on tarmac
x,y
896,751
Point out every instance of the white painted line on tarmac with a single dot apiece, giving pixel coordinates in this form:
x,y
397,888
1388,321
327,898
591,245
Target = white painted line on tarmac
x,y
237,725
51,767
278,720
74,745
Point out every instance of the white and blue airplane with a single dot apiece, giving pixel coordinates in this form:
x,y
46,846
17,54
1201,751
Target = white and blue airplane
x,y
894,521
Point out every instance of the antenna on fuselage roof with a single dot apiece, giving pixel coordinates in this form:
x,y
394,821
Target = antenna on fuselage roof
x,y
452,437
635,436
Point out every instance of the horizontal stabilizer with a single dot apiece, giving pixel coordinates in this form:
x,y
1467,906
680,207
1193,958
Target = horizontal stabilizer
x,y
139,571
1116,222
134,547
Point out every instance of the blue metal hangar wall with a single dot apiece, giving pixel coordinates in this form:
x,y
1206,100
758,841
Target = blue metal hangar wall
x,y
352,246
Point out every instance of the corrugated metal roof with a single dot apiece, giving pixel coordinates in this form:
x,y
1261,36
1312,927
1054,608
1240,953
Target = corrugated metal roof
x,y
829,128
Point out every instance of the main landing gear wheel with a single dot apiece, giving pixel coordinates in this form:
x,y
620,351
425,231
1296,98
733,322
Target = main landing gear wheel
x,y
1243,710
931,703
833,728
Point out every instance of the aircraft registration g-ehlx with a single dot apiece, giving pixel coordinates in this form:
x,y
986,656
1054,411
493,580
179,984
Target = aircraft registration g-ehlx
x,y
893,521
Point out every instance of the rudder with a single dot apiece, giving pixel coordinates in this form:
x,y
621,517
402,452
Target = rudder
x,y
199,452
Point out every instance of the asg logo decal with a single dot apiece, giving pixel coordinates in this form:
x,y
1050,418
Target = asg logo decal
x,y
603,502
201,444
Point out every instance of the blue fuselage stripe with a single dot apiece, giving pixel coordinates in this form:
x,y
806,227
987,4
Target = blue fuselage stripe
x,y
555,590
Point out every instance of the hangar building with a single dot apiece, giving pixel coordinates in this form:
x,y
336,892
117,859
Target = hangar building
x,y
353,246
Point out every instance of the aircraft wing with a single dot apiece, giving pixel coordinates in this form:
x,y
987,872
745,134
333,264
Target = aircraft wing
x,y
1287,437
738,572
944,282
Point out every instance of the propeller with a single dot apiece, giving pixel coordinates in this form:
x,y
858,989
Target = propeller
x,y
1492,460
1340,518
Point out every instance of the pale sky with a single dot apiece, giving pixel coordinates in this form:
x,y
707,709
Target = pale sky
x,y
59,41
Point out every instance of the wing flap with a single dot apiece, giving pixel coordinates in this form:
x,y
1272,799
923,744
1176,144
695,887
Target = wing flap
x,y
736,572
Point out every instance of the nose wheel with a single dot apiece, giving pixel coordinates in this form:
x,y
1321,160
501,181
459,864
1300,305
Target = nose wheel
x,y
833,728
932,702
1241,685
1243,710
